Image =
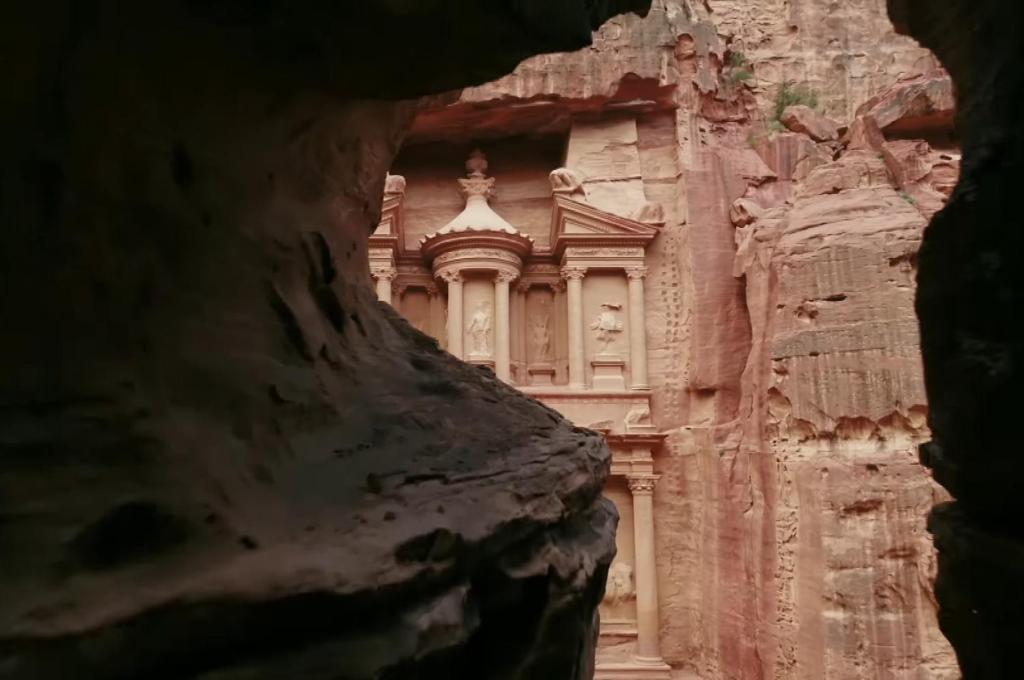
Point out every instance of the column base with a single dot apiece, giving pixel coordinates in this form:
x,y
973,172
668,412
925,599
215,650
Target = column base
x,y
637,669
481,361
541,374
609,370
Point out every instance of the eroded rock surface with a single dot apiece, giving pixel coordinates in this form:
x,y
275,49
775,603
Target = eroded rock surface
x,y
220,457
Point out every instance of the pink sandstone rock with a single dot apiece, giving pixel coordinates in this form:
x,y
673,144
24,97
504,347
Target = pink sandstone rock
x,y
864,133
913,106
784,368
800,118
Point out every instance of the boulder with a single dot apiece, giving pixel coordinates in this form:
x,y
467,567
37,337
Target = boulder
x,y
804,119
917,106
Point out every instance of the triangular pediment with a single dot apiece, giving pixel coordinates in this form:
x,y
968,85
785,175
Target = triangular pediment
x,y
576,222
389,230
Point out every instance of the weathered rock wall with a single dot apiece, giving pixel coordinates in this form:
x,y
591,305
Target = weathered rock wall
x,y
846,51
220,456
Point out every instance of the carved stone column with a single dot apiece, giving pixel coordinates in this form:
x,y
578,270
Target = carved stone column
x,y
637,329
520,326
383,276
454,279
435,312
502,336
573,276
646,575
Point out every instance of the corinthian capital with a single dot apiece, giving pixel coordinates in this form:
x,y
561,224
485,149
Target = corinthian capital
x,y
383,273
570,272
504,276
641,484
636,272
450,275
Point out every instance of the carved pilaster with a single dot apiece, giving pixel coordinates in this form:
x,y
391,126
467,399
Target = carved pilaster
x,y
647,642
637,328
454,279
383,276
573,276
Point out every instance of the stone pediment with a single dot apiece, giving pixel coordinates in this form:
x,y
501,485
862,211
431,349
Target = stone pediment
x,y
577,223
389,230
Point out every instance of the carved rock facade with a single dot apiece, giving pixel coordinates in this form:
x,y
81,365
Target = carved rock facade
x,y
785,400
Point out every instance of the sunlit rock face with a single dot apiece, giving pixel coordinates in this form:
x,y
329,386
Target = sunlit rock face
x,y
784,363
220,456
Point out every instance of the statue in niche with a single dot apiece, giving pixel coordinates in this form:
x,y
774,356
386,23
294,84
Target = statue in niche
x,y
479,329
608,326
620,585
540,338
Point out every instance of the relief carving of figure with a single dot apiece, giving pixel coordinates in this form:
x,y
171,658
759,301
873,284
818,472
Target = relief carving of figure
x,y
540,337
638,415
479,329
620,584
608,325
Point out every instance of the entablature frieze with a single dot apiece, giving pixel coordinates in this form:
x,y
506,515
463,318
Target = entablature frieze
x,y
503,263
604,258
382,254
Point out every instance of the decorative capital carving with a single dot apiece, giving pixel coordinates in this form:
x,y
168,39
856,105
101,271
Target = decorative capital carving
x,y
432,289
400,288
505,276
641,484
570,272
451,275
383,273
523,286
557,287
636,272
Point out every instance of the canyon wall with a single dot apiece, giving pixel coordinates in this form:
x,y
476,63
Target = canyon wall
x,y
784,351
220,455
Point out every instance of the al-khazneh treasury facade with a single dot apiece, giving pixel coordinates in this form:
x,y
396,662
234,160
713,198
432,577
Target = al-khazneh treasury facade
x,y
561,317
748,345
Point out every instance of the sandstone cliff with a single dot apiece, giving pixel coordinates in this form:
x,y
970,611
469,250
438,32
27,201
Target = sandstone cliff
x,y
784,348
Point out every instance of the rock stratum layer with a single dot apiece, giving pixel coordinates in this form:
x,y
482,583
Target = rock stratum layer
x,y
220,457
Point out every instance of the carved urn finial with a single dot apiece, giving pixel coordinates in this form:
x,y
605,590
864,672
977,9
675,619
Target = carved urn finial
x,y
476,164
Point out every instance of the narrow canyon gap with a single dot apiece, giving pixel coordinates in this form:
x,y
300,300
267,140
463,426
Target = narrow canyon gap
x,y
221,458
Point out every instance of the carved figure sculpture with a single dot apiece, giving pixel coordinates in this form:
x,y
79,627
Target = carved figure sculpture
x,y
540,337
566,181
638,415
620,584
607,324
479,329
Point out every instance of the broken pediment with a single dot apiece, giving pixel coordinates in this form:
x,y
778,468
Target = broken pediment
x,y
577,223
